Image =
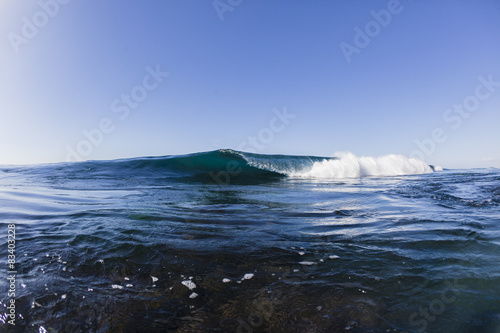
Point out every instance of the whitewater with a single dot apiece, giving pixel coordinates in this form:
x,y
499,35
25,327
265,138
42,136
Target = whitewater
x,y
231,241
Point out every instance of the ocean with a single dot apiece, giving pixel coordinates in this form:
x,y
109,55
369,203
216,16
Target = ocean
x,y
227,241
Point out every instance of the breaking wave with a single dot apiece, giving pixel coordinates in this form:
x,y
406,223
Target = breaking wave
x,y
342,165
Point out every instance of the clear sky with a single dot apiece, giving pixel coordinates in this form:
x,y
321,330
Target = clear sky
x,y
125,78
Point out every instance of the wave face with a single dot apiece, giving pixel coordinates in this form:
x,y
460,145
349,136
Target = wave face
x,y
236,163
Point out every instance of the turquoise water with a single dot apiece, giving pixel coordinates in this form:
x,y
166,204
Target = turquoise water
x,y
234,242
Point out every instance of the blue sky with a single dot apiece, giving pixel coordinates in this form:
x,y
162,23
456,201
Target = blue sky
x,y
115,79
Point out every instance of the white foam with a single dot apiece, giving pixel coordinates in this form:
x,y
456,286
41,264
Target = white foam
x,y
347,165
189,284
248,276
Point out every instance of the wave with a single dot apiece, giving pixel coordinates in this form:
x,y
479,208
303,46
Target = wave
x,y
237,163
